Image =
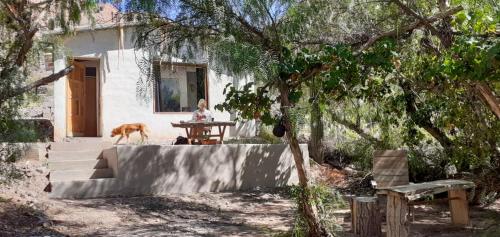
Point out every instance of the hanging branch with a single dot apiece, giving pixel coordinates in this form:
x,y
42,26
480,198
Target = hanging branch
x,y
43,81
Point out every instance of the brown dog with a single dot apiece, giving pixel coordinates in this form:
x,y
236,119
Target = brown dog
x,y
126,129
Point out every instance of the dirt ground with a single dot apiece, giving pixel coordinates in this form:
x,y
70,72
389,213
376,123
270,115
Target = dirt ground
x,y
428,221
25,210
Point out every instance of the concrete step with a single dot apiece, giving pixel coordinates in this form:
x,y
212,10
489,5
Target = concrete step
x,y
74,155
80,145
78,164
81,174
90,188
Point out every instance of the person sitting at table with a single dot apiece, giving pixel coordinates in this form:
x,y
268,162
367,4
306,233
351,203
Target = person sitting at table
x,y
202,114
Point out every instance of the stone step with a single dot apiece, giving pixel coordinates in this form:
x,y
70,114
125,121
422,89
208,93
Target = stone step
x,y
80,145
77,189
74,155
78,164
81,174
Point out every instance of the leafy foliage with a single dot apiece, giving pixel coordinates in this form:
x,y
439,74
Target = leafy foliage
x,y
21,46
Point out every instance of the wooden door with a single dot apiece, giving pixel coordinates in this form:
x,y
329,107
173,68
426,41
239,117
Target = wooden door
x,y
90,106
75,113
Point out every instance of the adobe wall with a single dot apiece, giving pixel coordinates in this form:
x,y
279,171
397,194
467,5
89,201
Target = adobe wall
x,y
156,170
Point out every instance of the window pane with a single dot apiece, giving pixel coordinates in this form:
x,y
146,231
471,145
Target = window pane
x,y
179,87
200,77
90,71
169,95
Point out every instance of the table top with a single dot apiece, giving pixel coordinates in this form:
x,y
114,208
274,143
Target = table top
x,y
419,190
188,124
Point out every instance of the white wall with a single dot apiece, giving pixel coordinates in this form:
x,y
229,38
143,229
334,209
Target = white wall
x,y
120,104
160,170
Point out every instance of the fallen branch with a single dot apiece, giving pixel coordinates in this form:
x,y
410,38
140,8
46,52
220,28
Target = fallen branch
x,y
43,81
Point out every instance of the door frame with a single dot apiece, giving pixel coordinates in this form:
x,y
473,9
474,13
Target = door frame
x,y
98,94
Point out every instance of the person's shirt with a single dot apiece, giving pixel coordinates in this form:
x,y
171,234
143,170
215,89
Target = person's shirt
x,y
204,115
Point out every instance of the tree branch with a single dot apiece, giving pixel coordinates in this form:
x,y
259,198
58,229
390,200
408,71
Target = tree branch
x,y
488,98
423,120
412,26
356,128
410,12
26,46
43,81
318,68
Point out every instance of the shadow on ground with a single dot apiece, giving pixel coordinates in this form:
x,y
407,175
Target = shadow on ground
x,y
22,220
203,214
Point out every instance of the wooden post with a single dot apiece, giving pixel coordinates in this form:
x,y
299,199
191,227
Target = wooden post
x,y
366,217
349,198
382,204
397,216
459,207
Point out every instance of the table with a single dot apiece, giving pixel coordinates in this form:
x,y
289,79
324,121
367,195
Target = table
x,y
192,126
399,196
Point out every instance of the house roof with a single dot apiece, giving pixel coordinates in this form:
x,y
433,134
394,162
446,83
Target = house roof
x,y
106,16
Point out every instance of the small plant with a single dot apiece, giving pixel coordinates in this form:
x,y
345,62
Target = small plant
x,y
325,199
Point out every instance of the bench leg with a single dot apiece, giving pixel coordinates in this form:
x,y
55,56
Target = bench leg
x,y
397,216
459,207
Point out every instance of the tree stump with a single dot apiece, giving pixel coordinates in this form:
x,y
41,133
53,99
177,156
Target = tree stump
x,y
397,216
366,217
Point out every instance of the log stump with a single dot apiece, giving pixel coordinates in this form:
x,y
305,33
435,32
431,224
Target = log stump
x,y
366,217
398,224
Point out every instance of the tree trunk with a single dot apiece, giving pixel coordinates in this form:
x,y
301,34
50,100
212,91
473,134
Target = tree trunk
x,y
316,149
306,207
366,218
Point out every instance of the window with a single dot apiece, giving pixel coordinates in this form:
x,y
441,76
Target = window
x,y
179,87
48,59
90,72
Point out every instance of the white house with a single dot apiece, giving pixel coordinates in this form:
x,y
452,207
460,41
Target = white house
x,y
101,93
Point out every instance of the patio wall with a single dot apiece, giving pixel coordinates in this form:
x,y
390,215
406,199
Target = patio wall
x,y
155,169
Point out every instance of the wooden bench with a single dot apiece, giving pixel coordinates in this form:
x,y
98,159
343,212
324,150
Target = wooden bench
x,y
399,196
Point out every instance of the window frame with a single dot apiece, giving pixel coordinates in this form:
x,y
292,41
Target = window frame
x,y
155,84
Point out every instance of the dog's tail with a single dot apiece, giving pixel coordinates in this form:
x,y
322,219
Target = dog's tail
x,y
146,129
